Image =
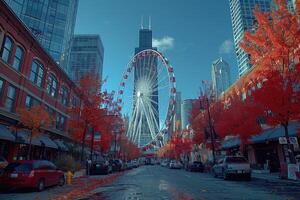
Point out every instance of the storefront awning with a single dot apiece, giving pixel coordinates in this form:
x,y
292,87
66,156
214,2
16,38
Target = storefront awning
x,y
42,140
231,143
5,133
273,134
45,140
61,145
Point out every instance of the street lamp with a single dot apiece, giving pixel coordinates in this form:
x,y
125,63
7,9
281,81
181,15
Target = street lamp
x,y
202,109
116,129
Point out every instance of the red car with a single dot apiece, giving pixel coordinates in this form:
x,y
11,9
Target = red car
x,y
32,174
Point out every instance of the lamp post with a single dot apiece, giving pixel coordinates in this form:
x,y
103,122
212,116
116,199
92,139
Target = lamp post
x,y
205,98
117,128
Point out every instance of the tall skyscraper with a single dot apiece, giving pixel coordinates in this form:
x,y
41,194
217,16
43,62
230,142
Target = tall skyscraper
x,y
52,22
177,117
220,74
186,110
242,19
86,56
142,70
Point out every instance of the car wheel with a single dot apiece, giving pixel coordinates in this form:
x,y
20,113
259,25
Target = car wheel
x,y
41,185
225,176
61,181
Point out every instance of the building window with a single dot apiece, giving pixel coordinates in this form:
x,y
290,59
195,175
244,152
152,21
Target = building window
x,y
30,101
10,98
1,86
6,49
51,113
60,122
64,95
52,85
37,73
75,101
18,58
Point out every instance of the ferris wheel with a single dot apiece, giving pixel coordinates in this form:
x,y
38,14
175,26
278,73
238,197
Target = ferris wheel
x,y
147,97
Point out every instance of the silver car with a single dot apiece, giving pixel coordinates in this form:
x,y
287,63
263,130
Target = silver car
x,y
232,166
174,164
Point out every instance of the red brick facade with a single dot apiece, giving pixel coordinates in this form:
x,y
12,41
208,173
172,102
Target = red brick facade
x,y
25,81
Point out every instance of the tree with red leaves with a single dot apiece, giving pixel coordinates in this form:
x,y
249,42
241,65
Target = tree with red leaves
x,y
35,119
239,118
128,150
93,114
274,51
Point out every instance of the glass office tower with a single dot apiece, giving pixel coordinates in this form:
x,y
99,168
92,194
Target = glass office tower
x,y
52,22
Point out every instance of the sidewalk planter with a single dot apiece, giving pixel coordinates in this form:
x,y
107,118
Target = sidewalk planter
x,y
292,169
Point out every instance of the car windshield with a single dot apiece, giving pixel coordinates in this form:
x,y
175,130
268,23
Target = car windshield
x,y
236,160
19,167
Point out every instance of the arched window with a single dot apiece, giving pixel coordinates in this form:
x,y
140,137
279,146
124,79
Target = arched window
x,y
52,85
37,73
64,95
6,49
18,59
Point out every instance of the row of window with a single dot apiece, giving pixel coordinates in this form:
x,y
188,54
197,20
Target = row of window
x,y
9,101
37,73
9,97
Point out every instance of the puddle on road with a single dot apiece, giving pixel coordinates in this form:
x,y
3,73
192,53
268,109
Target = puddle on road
x,y
115,192
134,192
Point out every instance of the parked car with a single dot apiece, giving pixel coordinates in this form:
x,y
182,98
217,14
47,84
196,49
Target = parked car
x,y
195,166
129,164
100,167
32,174
117,165
135,164
165,163
174,164
149,161
232,166
3,163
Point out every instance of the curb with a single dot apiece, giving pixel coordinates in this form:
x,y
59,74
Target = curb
x,y
287,181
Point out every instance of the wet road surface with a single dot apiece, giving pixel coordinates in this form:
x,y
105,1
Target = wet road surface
x,y
159,183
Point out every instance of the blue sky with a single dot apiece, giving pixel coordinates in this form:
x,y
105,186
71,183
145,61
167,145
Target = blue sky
x,y
192,33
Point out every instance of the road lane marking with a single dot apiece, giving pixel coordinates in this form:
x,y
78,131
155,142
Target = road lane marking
x,y
188,176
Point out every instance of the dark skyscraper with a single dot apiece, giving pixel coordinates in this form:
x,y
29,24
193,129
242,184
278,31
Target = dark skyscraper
x,y
146,67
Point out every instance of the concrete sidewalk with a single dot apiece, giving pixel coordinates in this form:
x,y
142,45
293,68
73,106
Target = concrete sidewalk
x,y
273,177
79,173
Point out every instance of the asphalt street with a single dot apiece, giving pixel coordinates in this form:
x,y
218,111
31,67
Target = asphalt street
x,y
159,183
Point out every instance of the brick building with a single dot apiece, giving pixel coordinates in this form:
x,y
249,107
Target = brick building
x,y
29,76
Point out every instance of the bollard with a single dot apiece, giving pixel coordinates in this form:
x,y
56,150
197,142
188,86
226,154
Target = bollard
x,y
69,177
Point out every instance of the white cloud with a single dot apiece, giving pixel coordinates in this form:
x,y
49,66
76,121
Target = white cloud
x,y
164,43
226,47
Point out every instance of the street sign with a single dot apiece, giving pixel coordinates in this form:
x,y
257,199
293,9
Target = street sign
x,y
282,140
293,140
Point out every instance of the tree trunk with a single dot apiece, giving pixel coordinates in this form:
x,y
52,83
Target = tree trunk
x,y
289,145
82,143
29,150
92,144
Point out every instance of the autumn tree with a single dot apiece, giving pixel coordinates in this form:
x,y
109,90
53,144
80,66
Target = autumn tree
x,y
90,116
35,119
128,150
274,53
239,117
